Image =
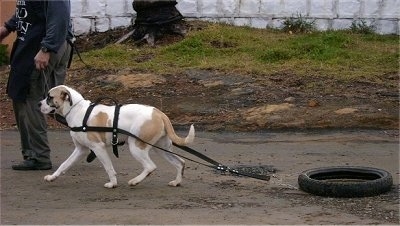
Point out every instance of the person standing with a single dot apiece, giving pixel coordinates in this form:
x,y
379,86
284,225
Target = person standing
x,y
38,61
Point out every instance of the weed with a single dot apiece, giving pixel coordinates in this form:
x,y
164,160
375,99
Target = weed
x,y
361,27
298,25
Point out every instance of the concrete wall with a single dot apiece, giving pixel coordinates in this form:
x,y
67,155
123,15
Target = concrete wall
x,y
102,15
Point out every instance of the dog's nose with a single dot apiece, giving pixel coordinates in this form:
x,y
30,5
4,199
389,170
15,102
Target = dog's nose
x,y
40,104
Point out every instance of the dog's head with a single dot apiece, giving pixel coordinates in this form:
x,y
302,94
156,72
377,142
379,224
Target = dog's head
x,y
58,100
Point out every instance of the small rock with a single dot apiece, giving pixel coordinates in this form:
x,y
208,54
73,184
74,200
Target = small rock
x,y
344,111
290,99
313,103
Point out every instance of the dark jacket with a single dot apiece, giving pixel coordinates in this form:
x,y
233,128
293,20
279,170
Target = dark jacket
x,y
37,23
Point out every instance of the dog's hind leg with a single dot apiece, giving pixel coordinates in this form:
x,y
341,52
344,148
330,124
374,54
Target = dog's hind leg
x,y
176,161
104,158
141,155
76,156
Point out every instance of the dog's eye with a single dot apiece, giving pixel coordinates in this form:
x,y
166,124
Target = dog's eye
x,y
49,100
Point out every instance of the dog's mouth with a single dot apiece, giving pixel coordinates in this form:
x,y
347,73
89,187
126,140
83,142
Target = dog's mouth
x,y
47,106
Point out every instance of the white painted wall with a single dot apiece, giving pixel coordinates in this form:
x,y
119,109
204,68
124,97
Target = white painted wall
x,y
102,15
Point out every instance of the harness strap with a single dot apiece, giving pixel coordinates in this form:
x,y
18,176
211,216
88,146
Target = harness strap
x,y
114,141
86,117
113,130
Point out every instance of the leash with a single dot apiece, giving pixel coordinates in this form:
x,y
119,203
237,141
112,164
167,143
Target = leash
x,y
71,42
115,130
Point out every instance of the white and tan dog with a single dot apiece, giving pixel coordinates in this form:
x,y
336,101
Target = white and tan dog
x,y
146,122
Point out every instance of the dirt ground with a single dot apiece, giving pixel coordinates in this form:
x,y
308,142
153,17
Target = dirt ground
x,y
227,104
206,197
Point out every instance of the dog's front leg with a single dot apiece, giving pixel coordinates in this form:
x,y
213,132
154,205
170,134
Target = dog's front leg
x,y
104,158
76,155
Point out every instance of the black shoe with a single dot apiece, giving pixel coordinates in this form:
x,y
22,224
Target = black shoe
x,y
32,164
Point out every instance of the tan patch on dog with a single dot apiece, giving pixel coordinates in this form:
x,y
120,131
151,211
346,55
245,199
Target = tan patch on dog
x,y
66,96
150,129
59,95
102,120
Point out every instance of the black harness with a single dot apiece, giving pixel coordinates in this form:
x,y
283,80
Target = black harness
x,y
114,129
115,143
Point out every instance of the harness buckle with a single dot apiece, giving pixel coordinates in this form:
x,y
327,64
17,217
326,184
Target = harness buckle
x,y
115,141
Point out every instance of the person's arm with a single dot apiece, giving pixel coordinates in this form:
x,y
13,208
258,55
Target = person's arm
x,y
8,27
57,22
3,33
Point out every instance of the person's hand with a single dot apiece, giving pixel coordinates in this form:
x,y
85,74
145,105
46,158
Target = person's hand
x,y
3,33
42,60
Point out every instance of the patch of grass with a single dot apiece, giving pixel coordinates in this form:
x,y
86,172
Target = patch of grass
x,y
276,55
112,56
321,46
340,54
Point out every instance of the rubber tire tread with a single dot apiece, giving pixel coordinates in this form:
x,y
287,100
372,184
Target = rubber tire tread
x,y
376,181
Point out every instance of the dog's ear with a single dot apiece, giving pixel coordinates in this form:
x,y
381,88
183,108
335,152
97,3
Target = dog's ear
x,y
66,96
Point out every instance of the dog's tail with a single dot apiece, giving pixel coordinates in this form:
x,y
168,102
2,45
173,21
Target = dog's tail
x,y
172,135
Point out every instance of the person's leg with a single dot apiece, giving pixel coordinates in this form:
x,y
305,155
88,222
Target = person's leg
x,y
37,123
33,130
20,117
58,74
59,66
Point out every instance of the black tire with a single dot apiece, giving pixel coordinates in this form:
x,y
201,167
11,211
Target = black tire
x,y
345,181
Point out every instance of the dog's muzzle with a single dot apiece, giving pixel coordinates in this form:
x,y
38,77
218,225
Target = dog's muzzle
x,y
45,107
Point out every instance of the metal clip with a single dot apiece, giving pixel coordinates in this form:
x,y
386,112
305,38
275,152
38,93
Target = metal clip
x,y
114,141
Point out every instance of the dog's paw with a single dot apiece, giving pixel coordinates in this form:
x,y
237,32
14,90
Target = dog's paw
x,y
133,182
174,183
49,178
110,185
